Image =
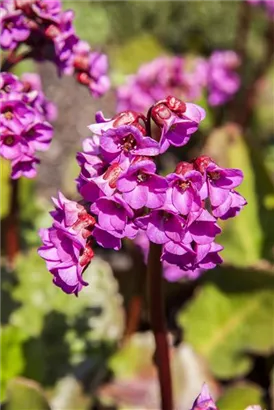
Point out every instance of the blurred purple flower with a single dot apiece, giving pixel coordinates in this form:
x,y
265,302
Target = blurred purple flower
x,y
223,80
204,401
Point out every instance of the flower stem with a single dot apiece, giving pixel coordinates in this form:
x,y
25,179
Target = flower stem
x,y
12,231
157,319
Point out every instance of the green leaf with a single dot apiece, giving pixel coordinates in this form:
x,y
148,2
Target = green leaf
x,y
5,187
26,394
12,359
240,396
141,49
231,315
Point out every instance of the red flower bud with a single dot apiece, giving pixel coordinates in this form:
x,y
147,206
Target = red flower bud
x,y
183,167
175,105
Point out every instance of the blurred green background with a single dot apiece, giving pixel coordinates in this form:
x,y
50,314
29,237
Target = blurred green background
x,y
68,353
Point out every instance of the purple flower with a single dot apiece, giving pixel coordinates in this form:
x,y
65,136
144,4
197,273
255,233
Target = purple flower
x,y
113,213
155,80
62,252
178,121
64,42
47,10
10,86
66,249
36,98
92,68
219,181
14,29
23,127
223,80
231,207
201,228
106,239
204,401
141,186
25,165
173,273
185,191
162,226
119,143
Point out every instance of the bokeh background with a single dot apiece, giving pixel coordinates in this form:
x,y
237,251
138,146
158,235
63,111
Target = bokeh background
x,y
68,353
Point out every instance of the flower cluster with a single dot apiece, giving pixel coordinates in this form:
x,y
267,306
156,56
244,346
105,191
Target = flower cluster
x,y
126,196
205,402
268,5
49,33
24,114
173,75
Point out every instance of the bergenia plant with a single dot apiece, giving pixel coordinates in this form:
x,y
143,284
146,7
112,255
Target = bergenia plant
x,y
124,195
215,76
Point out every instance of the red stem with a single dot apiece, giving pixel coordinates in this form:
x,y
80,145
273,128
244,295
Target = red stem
x,y
12,230
14,59
158,325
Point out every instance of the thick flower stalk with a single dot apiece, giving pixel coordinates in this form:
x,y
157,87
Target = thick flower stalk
x,y
121,188
25,130
49,34
205,402
215,76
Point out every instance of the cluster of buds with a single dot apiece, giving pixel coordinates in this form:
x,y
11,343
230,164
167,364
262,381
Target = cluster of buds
x,y
268,5
205,402
49,33
125,195
217,76
24,126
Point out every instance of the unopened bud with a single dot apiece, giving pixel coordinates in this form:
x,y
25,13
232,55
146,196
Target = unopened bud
x,y
183,167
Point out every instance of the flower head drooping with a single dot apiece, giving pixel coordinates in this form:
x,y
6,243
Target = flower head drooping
x,y
24,128
49,33
127,198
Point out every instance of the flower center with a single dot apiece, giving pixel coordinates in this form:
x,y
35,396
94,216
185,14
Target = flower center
x,y
8,115
141,177
214,175
129,143
183,185
9,140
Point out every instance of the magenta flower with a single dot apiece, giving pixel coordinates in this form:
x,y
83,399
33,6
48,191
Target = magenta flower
x,y
204,401
109,240
14,29
142,187
113,213
185,191
177,120
125,197
66,246
162,226
92,68
201,228
36,98
219,181
119,143
223,80
231,207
